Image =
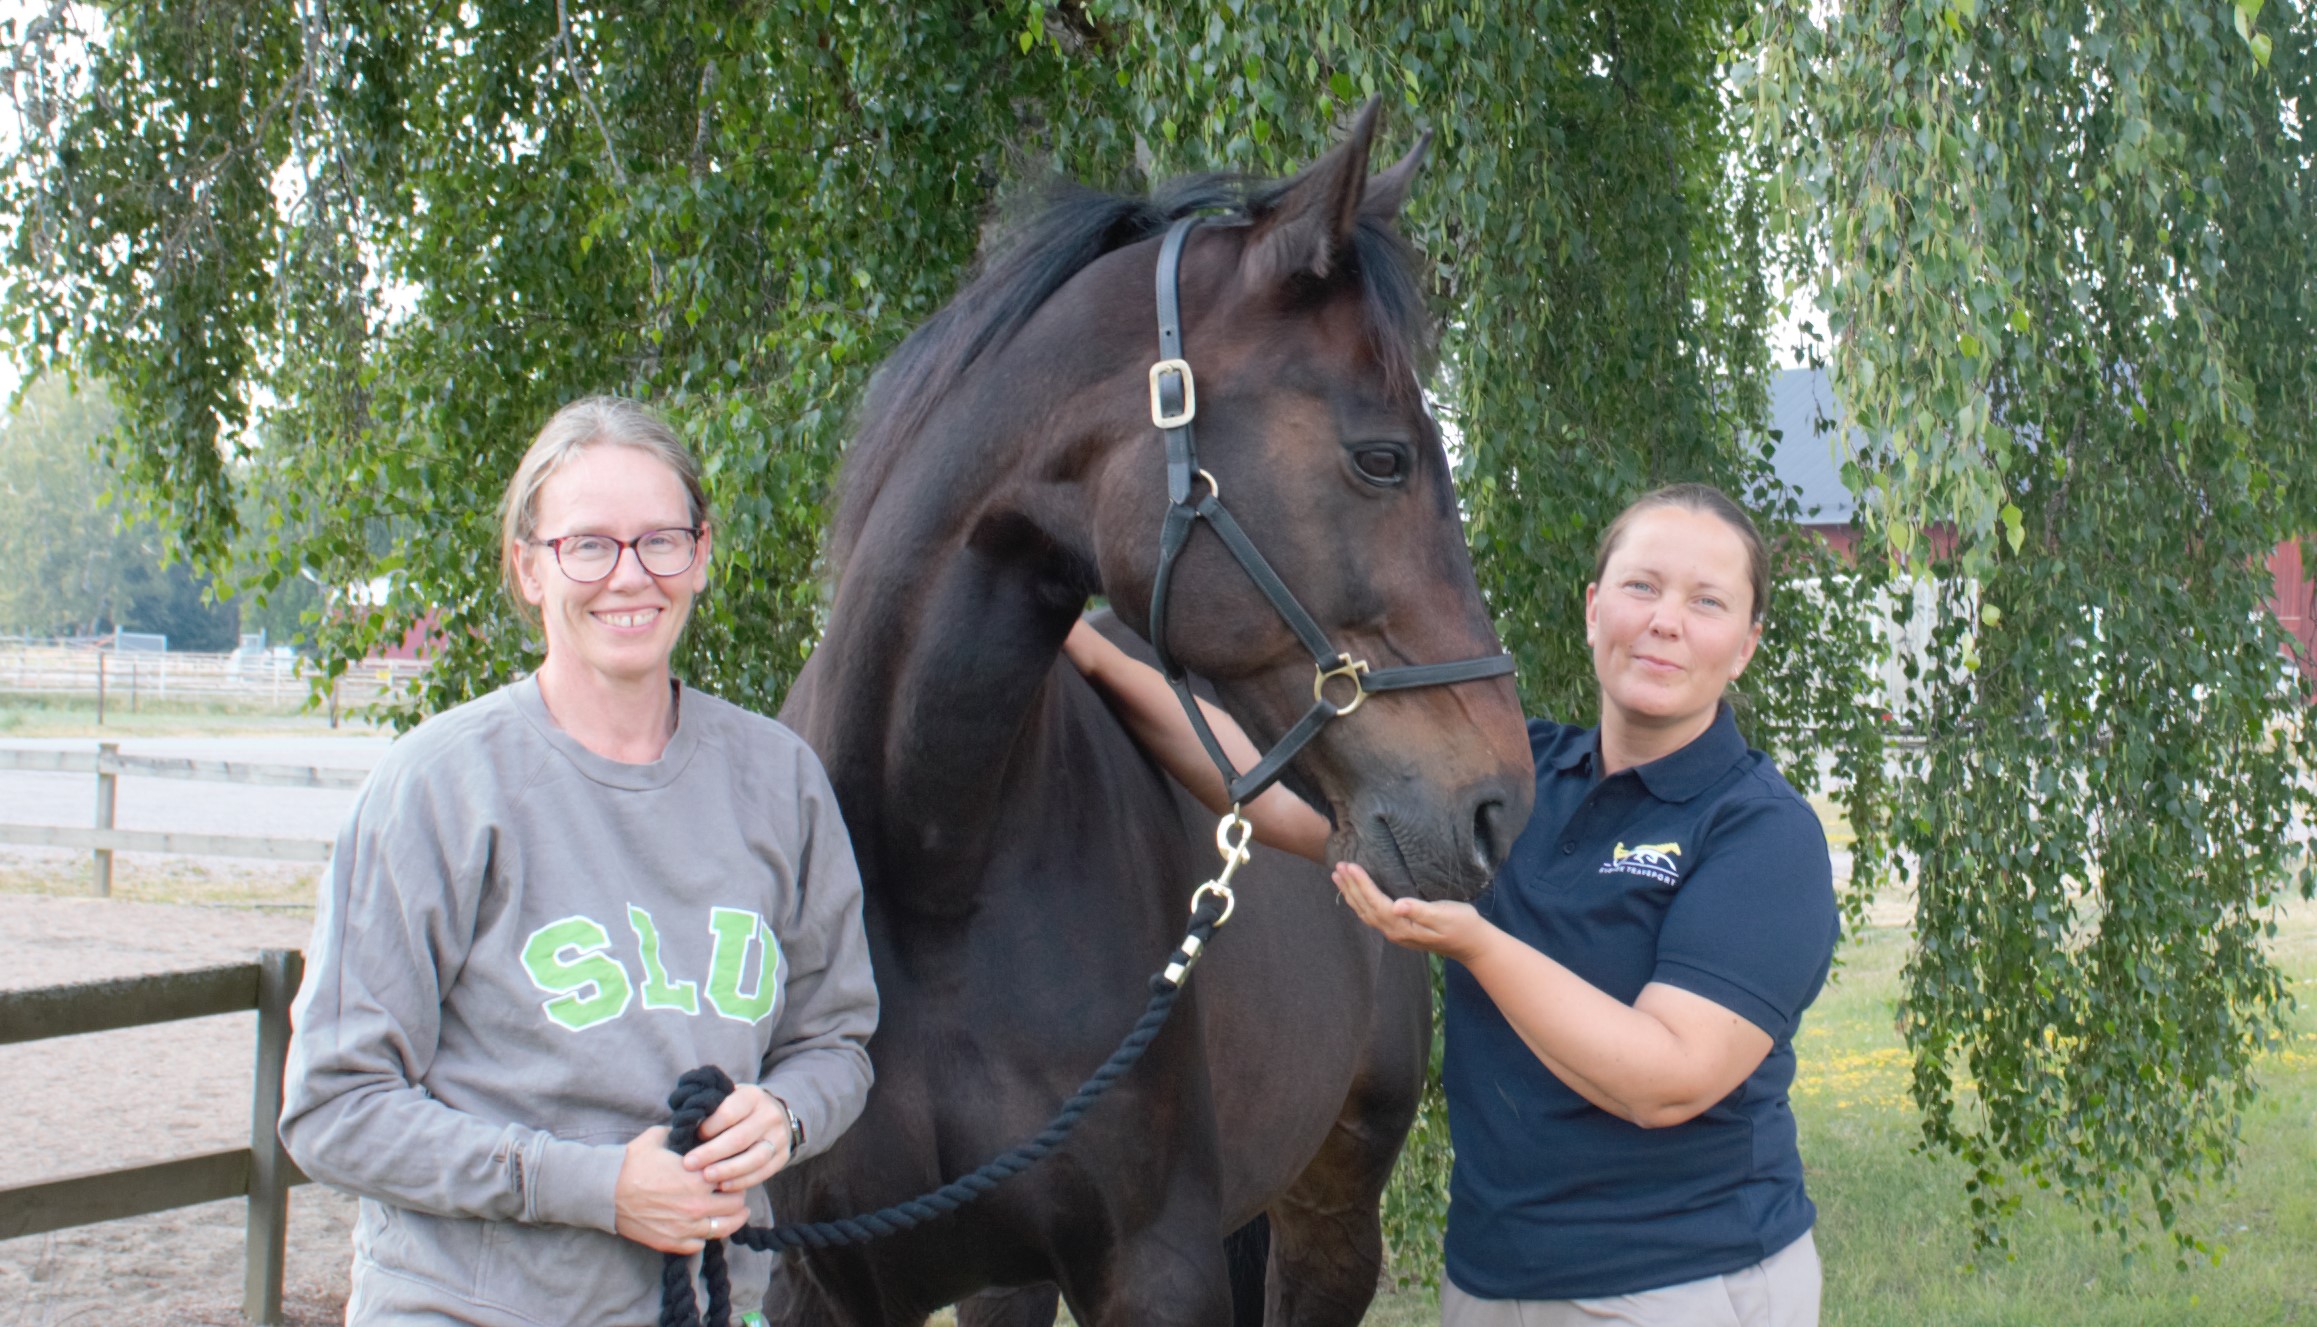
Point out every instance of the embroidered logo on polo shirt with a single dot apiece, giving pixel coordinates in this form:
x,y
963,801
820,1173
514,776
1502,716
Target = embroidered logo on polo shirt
x,y
1652,861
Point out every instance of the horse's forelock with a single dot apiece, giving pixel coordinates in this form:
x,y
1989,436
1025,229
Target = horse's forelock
x,y
1399,319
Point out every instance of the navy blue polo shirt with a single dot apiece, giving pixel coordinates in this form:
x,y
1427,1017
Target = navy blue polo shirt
x,y
1703,870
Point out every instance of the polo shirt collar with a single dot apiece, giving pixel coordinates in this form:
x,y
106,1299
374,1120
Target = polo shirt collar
x,y
1580,753
1696,767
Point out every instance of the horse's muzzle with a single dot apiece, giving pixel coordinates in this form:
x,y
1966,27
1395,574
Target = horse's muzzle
x,y
1441,846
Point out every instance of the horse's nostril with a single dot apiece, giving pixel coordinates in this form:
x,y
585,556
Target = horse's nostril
x,y
1488,840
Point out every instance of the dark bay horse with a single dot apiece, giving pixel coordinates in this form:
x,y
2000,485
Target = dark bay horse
x,y
1026,867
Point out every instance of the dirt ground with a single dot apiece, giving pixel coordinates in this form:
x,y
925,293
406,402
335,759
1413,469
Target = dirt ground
x,y
121,1098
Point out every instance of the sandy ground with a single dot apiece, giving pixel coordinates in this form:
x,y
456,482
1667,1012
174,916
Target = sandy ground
x,y
121,1098
171,1090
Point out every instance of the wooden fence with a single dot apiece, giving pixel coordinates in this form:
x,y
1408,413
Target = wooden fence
x,y
103,840
127,679
262,1172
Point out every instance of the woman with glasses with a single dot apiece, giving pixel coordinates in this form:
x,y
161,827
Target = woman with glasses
x,y
547,905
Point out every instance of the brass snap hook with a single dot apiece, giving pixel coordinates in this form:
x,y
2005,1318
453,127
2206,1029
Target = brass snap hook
x,y
1232,836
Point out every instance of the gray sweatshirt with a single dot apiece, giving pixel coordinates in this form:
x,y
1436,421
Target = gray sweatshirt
x,y
520,946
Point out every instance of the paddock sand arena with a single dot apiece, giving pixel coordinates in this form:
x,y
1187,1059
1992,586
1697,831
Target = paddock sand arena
x,y
122,1098
111,1099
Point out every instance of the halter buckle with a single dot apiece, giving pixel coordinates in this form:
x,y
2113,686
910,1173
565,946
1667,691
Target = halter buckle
x,y
1158,410
1350,669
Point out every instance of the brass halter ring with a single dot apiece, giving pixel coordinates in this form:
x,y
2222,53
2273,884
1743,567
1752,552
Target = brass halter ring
x,y
1351,670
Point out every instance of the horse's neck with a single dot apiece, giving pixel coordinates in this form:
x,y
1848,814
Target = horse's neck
x,y
934,667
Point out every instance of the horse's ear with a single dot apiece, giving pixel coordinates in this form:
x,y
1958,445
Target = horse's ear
x,y
1309,222
1388,192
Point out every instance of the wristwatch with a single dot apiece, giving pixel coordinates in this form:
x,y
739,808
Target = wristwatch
x,y
796,1128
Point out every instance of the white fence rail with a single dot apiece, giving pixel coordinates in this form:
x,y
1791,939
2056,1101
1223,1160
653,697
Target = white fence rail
x,y
102,839
130,678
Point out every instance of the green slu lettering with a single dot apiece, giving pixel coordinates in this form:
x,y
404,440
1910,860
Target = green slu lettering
x,y
566,959
737,931
659,992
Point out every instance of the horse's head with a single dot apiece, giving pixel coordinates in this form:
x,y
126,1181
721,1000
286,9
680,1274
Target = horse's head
x,y
1303,322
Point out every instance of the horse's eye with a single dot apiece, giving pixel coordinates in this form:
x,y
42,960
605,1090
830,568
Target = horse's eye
x,y
1381,465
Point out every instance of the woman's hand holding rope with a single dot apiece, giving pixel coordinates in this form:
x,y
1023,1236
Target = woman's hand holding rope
x,y
677,1203
664,1203
744,1143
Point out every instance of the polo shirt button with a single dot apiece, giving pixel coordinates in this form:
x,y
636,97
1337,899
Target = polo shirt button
x,y
1569,848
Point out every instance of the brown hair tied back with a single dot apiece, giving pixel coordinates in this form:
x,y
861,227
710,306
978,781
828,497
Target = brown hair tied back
x,y
1706,500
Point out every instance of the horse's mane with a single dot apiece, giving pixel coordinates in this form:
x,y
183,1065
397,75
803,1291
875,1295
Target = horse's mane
x,y
1028,262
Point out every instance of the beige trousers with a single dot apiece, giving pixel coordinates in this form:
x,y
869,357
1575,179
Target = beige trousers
x,y
1779,1291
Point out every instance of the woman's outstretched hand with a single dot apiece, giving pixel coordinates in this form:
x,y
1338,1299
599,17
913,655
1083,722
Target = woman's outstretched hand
x,y
1451,930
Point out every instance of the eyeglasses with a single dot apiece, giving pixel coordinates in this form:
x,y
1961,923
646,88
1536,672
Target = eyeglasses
x,y
588,558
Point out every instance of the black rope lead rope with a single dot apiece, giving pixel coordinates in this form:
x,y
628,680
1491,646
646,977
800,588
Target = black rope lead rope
x,y
699,1092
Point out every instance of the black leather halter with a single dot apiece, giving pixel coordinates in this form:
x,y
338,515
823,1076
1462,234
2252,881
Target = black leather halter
x,y
1173,404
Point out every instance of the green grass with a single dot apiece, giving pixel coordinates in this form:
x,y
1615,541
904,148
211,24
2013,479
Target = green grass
x,y
1896,1237
1893,1226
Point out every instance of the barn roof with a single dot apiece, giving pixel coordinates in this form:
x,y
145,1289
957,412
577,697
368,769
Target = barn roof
x,y
1802,409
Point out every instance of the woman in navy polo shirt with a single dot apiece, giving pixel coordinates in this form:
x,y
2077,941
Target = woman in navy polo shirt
x,y
1622,1003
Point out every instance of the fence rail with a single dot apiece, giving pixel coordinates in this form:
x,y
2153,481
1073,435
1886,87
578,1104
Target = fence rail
x,y
103,839
262,1172
178,767
168,841
128,678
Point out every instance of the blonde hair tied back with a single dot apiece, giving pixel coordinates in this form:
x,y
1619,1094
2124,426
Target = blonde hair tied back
x,y
594,421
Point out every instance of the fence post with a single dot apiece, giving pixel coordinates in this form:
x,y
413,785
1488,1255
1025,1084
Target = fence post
x,y
100,688
279,972
107,784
